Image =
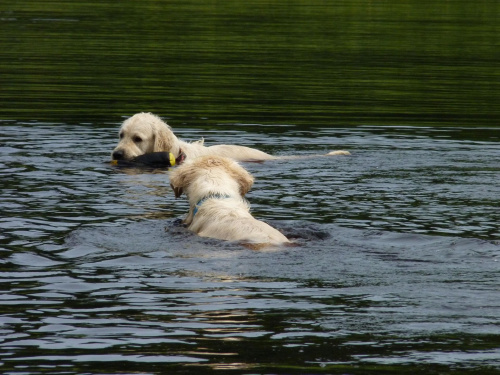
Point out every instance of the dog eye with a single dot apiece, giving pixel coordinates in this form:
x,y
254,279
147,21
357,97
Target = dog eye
x,y
137,139
120,135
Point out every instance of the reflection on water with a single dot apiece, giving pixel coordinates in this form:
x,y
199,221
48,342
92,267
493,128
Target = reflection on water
x,y
396,263
300,62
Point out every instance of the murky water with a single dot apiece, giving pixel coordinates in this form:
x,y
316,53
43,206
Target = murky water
x,y
396,264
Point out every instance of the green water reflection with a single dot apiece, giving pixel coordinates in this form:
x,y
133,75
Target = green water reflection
x,y
302,62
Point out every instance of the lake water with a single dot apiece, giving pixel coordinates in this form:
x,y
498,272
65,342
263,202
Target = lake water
x,y
396,267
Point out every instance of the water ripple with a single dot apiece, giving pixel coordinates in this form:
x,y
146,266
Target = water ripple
x,y
396,249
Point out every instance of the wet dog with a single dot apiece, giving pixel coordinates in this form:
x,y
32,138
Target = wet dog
x,y
215,187
145,133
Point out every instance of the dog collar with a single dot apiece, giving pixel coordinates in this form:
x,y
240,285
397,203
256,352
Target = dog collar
x,y
203,200
180,158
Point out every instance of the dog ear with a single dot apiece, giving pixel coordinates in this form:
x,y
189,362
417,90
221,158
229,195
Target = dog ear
x,y
246,183
179,179
177,191
164,138
244,179
176,182
161,139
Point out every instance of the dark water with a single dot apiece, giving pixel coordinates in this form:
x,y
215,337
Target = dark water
x,y
298,62
396,268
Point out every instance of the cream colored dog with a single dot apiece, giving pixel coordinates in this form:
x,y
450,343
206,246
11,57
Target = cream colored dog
x,y
144,133
215,187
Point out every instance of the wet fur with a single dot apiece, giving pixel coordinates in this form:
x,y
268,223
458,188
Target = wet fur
x,y
226,216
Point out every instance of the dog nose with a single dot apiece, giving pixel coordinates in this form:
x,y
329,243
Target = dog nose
x,y
118,155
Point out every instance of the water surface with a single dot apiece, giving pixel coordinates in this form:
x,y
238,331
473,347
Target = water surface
x,y
395,269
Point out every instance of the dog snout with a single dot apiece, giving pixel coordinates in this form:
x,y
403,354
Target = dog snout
x,y
118,155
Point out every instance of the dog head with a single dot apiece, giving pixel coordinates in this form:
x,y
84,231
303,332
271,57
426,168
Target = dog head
x,y
209,175
144,133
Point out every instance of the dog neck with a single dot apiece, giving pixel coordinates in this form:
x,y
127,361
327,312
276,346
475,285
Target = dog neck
x,y
204,199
